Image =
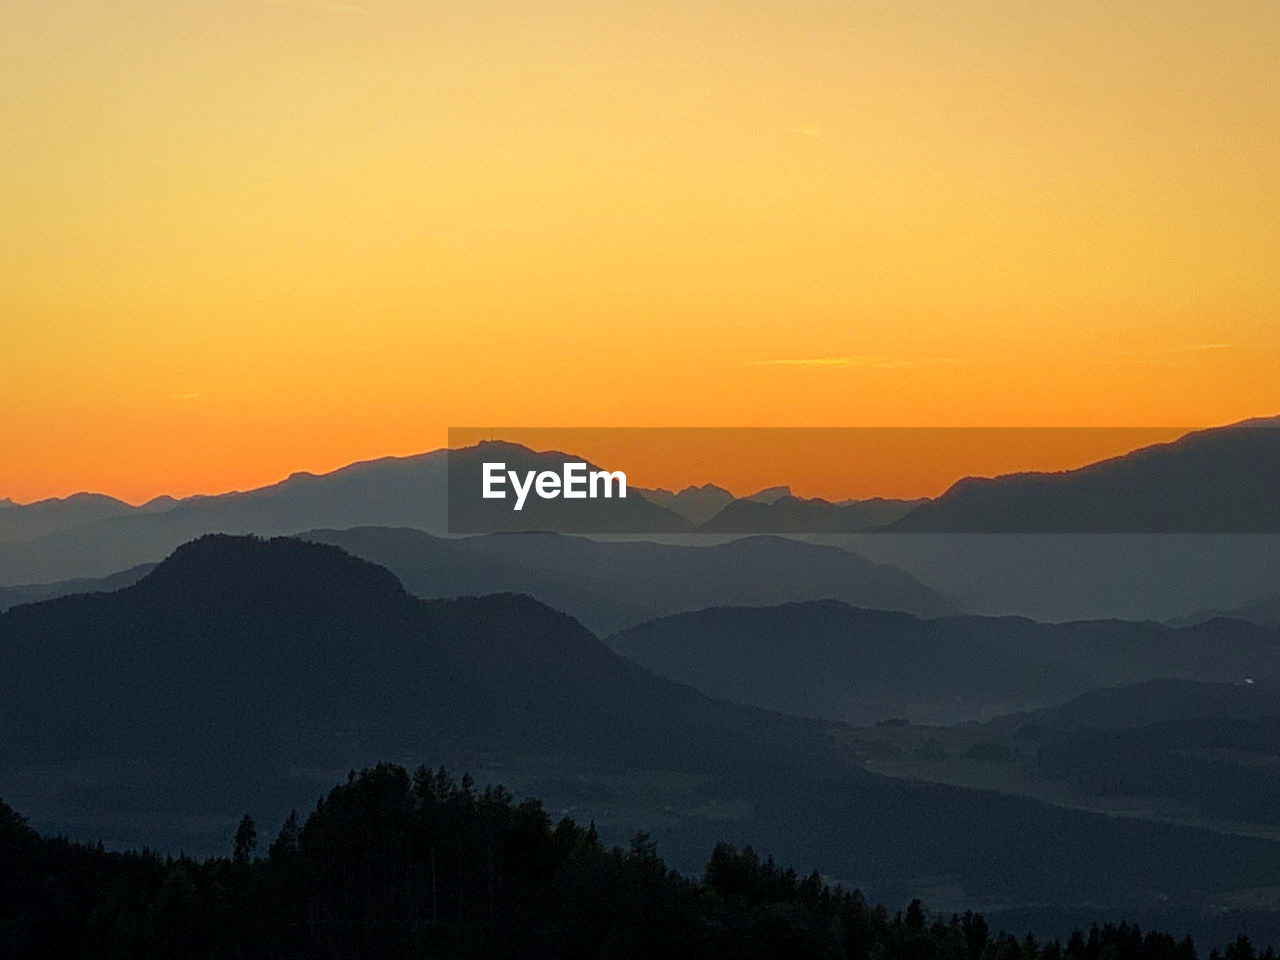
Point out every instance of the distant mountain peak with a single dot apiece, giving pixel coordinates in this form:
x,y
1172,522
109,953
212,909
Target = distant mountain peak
x,y
770,494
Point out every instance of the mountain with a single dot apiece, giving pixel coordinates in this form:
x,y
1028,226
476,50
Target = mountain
x,y
19,522
610,585
1159,701
394,864
1084,575
1227,769
1213,749
1065,576
789,514
242,674
392,491
695,504
404,491
1264,611
1203,754
770,494
30,593
1222,480
244,636
828,659
237,658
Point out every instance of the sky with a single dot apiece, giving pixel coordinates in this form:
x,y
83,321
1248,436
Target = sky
x,y
247,237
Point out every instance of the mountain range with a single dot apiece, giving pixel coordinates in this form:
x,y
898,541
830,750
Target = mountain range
x,y
1219,481
30,521
830,660
242,673
1211,480
606,585
609,585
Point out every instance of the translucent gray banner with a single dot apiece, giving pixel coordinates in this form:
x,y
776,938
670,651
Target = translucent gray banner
x,y
862,480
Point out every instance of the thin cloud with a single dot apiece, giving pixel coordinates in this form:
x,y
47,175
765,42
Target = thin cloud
x,y
807,362
906,363
328,6
1199,347
1178,354
883,363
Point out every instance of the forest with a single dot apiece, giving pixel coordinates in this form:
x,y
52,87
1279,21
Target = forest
x,y
394,864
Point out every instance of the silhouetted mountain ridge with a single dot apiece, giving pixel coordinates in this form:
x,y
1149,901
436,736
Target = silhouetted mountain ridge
x,y
1222,480
34,592
1161,701
790,514
697,504
21,522
828,659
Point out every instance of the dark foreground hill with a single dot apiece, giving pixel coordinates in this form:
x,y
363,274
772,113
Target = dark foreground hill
x,y
244,674
610,585
309,654
392,864
831,660
30,593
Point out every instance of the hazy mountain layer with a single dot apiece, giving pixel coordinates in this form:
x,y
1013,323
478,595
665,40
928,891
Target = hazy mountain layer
x,y
241,674
831,660
611,585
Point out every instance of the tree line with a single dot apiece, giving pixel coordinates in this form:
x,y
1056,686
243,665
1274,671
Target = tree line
x,y
398,864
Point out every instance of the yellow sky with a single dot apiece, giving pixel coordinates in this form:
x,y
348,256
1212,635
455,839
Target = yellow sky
x,y
243,237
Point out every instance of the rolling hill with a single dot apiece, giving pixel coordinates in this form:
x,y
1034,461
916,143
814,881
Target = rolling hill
x,y
828,659
610,585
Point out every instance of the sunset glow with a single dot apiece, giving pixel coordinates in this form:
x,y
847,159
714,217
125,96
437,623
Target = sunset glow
x,y
243,238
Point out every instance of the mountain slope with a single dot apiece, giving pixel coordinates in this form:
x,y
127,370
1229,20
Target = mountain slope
x,y
610,585
392,491
235,634
696,504
1264,611
29,521
831,660
1159,701
404,491
1222,480
788,514
165,709
32,592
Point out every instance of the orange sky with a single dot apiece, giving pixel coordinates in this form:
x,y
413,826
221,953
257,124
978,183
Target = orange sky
x,y
246,237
